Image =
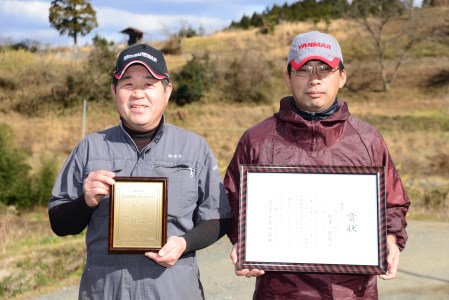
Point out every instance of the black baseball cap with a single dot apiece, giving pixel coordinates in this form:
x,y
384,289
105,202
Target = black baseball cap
x,y
145,55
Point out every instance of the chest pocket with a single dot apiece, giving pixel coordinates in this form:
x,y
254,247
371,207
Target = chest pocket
x,y
182,186
117,166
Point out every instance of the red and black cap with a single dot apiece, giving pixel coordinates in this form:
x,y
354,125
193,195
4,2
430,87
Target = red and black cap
x,y
145,55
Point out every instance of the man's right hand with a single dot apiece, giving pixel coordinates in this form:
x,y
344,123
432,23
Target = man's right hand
x,y
96,186
244,272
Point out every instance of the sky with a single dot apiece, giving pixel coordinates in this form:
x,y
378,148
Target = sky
x,y
22,20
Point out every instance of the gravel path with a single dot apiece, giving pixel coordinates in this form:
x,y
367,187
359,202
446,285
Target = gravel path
x,y
423,270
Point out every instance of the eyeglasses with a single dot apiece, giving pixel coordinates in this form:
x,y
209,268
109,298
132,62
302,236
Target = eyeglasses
x,y
322,71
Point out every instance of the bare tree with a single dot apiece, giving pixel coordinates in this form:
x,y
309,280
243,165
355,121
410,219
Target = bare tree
x,y
393,29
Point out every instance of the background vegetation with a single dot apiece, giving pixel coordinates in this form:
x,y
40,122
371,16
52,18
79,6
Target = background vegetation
x,y
224,84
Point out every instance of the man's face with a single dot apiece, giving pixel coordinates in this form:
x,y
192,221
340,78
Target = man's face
x,y
315,93
140,99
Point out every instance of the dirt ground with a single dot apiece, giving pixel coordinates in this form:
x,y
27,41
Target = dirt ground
x,y
423,270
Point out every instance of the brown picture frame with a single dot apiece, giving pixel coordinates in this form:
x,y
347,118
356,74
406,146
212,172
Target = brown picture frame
x,y
323,219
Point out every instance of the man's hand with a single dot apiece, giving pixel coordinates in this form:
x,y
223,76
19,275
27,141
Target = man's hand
x,y
392,258
96,186
244,272
170,252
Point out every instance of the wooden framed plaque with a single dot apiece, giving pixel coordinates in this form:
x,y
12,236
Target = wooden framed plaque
x,y
312,219
137,214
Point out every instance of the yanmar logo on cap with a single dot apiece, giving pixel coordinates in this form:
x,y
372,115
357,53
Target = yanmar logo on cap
x,y
315,44
126,57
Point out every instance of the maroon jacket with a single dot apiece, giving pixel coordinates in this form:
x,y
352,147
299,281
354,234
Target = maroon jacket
x,y
340,140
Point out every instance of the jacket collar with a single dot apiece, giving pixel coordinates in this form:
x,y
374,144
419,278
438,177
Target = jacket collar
x,y
156,135
315,115
311,135
288,112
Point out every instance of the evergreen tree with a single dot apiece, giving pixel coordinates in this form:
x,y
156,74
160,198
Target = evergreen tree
x,y
72,17
15,187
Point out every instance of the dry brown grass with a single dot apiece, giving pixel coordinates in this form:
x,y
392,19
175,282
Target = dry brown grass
x,y
31,256
222,123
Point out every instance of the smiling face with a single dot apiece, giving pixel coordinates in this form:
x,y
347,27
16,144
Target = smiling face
x,y
315,93
140,99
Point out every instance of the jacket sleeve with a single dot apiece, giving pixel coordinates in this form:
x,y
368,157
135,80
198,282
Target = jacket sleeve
x,y
397,201
205,234
71,217
67,209
212,200
242,155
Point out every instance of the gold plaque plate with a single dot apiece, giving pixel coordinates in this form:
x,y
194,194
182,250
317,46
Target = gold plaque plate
x,y
137,214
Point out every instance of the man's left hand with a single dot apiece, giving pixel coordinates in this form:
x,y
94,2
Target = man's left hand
x,y
392,258
170,252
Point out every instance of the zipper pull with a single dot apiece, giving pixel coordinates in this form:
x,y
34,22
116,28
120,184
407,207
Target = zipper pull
x,y
191,171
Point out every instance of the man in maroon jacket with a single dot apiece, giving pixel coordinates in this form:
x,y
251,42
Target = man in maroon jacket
x,y
313,127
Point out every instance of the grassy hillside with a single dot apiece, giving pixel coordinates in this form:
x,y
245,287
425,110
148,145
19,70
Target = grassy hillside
x,y
413,117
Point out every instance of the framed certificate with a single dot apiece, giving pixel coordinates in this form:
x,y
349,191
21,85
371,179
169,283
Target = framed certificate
x,y
312,219
137,214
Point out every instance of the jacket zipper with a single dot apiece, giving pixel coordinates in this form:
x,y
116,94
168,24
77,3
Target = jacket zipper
x,y
183,167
